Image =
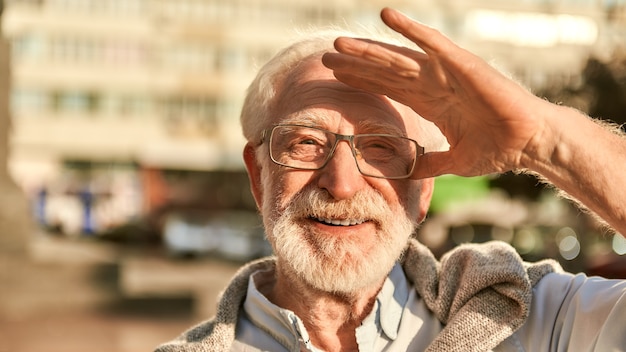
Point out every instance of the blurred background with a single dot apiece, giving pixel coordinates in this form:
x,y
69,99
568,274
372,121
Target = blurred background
x,y
124,204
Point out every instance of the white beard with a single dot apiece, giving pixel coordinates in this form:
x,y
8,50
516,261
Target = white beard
x,y
333,263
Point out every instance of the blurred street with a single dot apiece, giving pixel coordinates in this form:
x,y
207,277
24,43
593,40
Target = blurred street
x,y
82,295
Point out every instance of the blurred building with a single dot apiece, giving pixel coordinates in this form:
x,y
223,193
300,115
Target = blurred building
x,y
115,101
14,221
107,95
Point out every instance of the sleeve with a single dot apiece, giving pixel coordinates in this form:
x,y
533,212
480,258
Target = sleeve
x,y
575,313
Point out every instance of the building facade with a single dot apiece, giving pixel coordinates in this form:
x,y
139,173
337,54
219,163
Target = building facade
x,y
107,94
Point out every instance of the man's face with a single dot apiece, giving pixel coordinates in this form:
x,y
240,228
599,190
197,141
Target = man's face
x,y
335,229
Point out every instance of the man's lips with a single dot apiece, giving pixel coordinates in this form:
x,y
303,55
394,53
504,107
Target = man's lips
x,y
339,222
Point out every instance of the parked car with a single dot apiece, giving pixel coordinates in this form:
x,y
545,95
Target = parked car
x,y
234,235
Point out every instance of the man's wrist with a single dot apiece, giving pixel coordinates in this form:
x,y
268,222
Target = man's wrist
x,y
545,146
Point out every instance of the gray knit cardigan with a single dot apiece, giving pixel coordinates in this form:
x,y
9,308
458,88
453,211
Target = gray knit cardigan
x,y
481,293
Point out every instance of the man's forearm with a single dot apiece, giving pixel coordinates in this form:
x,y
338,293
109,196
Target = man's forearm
x,y
585,159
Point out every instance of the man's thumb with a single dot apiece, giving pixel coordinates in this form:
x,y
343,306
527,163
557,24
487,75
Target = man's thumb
x,y
432,164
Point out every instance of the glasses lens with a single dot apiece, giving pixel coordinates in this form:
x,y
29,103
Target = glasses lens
x,y
376,155
385,156
300,147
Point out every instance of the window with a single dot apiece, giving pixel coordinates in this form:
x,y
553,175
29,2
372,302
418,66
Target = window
x,y
29,46
75,102
190,57
29,100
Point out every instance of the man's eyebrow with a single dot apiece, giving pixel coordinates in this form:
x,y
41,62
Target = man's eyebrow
x,y
307,119
378,126
373,125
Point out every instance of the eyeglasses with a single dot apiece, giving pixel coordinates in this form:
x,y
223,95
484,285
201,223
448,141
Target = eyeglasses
x,y
310,148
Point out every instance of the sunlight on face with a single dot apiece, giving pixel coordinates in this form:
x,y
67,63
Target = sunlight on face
x,y
338,264
335,229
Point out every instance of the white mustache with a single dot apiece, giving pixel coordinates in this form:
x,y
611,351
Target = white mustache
x,y
366,205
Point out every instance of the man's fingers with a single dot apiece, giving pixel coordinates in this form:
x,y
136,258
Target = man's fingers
x,y
387,55
355,71
375,50
335,61
427,38
432,164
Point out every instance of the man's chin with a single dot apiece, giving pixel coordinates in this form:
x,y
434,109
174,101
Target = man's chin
x,y
336,267
347,279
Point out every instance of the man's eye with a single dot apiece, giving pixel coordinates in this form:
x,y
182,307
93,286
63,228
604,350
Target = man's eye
x,y
380,146
308,141
377,145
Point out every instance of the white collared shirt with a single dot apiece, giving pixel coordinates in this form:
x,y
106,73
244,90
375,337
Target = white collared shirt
x,y
393,324
568,313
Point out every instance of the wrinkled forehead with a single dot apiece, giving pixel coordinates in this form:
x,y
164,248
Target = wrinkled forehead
x,y
312,91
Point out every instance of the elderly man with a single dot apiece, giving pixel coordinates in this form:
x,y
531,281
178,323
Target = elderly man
x,y
342,147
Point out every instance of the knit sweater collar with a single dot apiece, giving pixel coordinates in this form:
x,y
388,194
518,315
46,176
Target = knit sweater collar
x,y
481,293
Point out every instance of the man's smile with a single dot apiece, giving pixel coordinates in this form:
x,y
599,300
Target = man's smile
x,y
339,222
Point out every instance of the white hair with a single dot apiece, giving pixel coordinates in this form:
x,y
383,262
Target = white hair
x,y
260,100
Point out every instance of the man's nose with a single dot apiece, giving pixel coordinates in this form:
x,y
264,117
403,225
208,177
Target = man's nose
x,y
341,177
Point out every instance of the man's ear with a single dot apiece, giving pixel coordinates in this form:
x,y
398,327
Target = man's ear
x,y
254,174
428,186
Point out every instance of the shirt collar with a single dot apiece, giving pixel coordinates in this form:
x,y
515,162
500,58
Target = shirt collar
x,y
391,299
288,329
280,323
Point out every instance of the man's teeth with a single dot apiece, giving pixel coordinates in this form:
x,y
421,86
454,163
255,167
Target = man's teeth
x,y
344,222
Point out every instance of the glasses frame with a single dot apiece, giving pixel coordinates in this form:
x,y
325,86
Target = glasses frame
x,y
268,133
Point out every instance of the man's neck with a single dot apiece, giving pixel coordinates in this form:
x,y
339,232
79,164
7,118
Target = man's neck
x,y
330,319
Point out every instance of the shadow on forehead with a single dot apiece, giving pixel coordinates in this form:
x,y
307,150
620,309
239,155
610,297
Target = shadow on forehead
x,y
377,113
